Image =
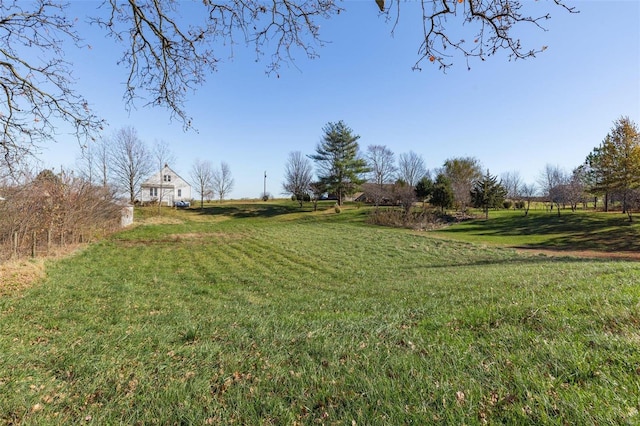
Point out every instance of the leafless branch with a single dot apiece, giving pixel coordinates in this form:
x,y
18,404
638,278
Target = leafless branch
x,y
493,24
35,80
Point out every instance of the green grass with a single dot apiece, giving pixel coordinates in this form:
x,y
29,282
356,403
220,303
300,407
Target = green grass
x,y
259,314
580,230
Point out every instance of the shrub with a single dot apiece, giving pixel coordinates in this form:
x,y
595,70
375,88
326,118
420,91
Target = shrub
x,y
337,208
507,204
421,220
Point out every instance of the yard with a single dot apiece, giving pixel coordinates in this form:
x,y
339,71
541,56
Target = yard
x,y
260,314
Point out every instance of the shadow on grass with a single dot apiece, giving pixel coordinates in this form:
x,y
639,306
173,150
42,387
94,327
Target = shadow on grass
x,y
253,210
522,261
324,212
571,231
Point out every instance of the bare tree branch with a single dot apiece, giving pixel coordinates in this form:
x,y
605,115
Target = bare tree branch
x,y
492,22
167,57
36,86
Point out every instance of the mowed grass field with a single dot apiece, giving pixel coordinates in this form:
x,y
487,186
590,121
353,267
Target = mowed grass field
x,y
259,314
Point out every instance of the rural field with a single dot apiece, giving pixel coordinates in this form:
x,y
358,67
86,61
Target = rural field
x,y
259,314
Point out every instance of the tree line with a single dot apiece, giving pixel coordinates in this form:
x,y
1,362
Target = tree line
x,y
610,172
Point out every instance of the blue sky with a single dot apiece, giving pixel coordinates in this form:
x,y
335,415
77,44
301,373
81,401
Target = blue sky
x,y
519,115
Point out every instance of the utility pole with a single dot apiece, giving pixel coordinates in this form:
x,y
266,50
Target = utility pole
x,y
264,192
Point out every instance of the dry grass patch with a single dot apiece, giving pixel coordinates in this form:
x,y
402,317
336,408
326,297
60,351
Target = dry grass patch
x,y
19,274
16,275
161,220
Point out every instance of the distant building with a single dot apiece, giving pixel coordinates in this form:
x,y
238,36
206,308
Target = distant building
x,y
165,187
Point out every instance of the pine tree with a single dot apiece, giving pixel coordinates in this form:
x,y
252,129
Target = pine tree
x,y
487,193
340,168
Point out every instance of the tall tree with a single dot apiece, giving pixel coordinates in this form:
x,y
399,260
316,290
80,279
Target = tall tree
x,y
487,193
222,181
616,162
167,56
462,172
339,167
202,179
411,168
382,169
298,174
130,161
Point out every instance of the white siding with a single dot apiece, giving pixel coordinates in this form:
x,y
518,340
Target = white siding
x,y
165,185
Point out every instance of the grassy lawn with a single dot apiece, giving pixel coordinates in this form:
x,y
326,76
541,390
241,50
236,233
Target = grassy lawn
x,y
580,230
258,314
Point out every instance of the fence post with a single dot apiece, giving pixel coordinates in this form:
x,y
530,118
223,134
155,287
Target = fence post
x,y
14,243
34,245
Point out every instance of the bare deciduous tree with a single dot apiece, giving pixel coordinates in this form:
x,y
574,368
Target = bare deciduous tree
x,y
512,182
462,172
382,170
411,168
222,180
130,161
298,174
168,57
36,88
202,178
93,164
553,180
162,156
381,163
528,191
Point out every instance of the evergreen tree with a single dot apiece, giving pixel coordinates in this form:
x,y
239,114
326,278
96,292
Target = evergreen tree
x,y
442,193
424,189
615,163
340,168
487,193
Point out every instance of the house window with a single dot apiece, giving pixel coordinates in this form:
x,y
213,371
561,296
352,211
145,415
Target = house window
x,y
153,192
167,178
179,192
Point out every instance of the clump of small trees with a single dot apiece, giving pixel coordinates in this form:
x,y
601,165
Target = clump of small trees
x,y
53,210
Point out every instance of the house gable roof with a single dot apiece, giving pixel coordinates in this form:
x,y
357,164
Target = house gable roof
x,y
156,178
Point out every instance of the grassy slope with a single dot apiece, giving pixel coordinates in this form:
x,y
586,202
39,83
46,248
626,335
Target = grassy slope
x,y
256,314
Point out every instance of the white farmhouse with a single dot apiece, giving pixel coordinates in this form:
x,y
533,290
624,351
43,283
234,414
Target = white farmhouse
x,y
165,187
